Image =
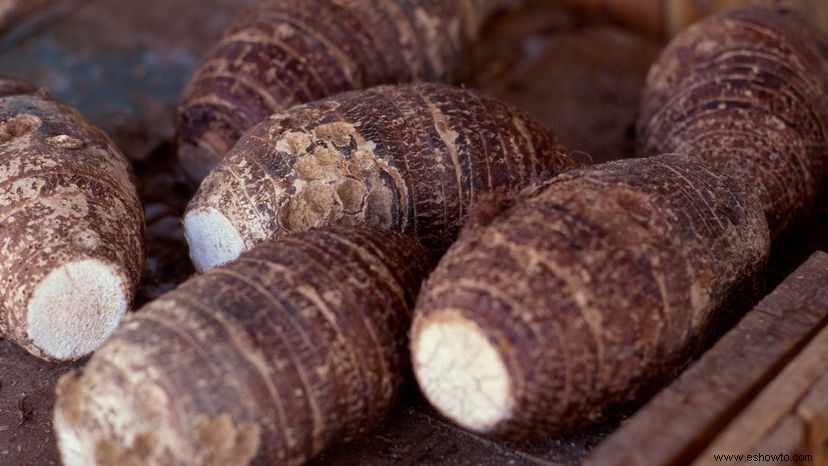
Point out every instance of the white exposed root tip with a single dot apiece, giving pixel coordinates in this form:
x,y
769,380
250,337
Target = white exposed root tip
x,y
76,307
213,239
461,372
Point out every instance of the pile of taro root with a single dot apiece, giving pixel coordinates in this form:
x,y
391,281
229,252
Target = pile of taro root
x,y
372,232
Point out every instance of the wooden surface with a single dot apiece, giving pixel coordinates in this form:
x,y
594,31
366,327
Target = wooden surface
x,y
696,408
786,417
415,435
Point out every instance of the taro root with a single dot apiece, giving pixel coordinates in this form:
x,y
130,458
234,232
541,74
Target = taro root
x,y
296,346
746,91
598,286
411,158
72,235
280,53
584,293
12,12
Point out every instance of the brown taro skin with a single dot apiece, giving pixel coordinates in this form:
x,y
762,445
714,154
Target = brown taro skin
x,y
746,91
280,53
66,197
413,158
589,289
297,346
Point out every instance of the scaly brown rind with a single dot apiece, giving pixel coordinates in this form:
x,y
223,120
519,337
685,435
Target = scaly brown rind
x,y
296,346
282,53
748,92
412,158
600,283
66,194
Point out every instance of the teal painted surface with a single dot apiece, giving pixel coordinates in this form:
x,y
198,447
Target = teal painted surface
x,y
122,63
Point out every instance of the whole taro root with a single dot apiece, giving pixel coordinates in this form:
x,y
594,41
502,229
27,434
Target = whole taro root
x,y
296,347
594,288
584,293
748,92
413,158
280,53
71,227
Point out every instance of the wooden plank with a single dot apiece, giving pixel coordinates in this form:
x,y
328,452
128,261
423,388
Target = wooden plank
x,y
779,445
685,417
770,423
813,410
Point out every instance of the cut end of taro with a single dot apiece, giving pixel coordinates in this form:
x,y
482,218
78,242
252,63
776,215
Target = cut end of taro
x,y
95,419
76,307
213,239
461,372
